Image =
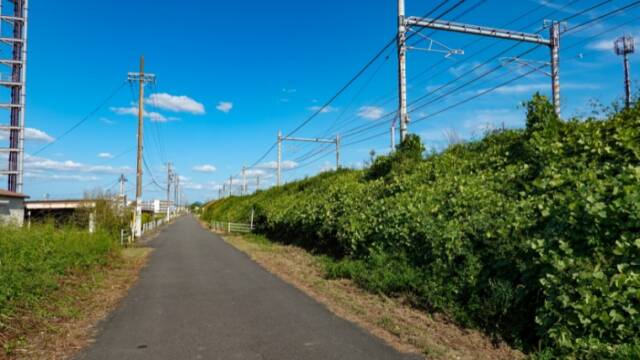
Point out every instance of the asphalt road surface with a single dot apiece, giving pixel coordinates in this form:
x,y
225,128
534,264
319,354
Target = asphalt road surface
x,y
200,298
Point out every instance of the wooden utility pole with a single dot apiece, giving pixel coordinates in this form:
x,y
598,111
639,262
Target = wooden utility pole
x,y
141,78
169,178
140,148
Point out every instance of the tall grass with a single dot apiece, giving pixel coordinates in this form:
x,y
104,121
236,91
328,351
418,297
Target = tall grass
x,y
33,260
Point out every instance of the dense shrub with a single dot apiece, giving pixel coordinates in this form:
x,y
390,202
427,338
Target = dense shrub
x,y
532,235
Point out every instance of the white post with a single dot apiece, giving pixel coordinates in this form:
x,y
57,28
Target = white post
x,y
337,151
393,136
169,178
279,166
92,222
402,71
555,64
244,180
252,212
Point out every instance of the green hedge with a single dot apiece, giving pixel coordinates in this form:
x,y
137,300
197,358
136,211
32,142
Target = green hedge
x,y
532,235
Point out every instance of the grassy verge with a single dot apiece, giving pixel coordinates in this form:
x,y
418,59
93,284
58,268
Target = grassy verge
x,y
392,319
55,284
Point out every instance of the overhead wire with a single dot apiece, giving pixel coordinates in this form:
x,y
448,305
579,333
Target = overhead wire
x,y
84,119
355,77
591,21
153,179
365,127
509,81
512,80
394,113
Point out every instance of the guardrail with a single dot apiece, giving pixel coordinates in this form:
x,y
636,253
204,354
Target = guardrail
x,y
151,225
230,227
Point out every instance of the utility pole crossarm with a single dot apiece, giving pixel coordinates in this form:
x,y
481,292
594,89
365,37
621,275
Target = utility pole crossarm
x,y
135,77
476,30
281,138
325,141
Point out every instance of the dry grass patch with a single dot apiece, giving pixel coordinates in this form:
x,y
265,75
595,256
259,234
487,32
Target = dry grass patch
x,y
391,319
64,324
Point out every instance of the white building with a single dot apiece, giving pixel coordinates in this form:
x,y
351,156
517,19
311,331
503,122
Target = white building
x,y
12,207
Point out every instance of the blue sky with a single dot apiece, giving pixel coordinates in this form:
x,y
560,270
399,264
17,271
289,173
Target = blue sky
x,y
230,74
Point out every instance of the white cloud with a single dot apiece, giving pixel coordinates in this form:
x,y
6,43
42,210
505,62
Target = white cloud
x,y
327,166
175,103
30,134
490,119
323,110
473,67
224,106
49,176
289,91
286,165
204,168
40,163
522,88
37,135
105,155
186,183
540,87
602,45
554,6
133,110
107,121
370,112
252,173
607,44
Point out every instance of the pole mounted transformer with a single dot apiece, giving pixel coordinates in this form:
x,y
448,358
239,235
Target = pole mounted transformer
x,y
624,46
13,74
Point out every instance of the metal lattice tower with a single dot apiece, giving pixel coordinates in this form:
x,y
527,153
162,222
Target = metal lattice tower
x,y
624,46
13,66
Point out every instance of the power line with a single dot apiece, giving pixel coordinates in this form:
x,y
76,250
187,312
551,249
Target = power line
x,y
366,127
504,83
84,119
598,18
493,70
158,127
355,77
590,22
153,179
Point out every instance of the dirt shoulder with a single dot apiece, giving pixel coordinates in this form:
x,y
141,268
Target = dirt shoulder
x,y
393,320
65,324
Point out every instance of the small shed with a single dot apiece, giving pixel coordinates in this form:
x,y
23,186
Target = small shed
x,y
12,207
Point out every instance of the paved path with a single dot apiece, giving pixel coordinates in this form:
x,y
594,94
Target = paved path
x,y
200,298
